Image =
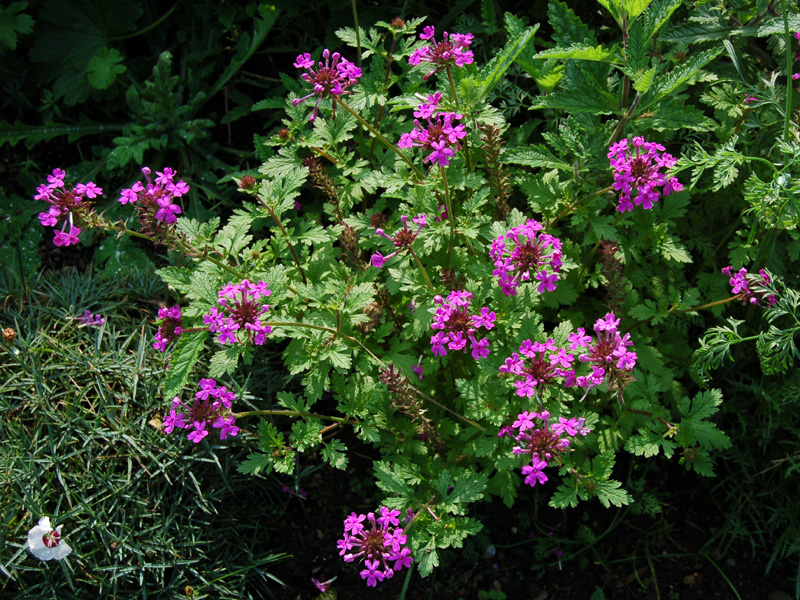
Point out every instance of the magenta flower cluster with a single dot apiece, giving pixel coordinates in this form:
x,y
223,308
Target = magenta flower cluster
x,y
607,354
211,407
539,364
457,325
92,320
544,441
157,197
640,167
452,50
748,285
523,252
169,328
378,541
240,310
68,204
330,80
402,239
439,136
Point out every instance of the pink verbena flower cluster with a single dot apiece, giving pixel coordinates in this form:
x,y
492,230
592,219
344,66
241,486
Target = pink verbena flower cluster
x,y
640,168
169,328
330,80
608,354
69,204
537,365
452,50
211,406
458,326
523,251
544,441
746,285
377,545
402,239
240,310
440,136
155,200
92,320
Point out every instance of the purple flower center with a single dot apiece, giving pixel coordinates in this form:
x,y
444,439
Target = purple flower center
x,y
52,539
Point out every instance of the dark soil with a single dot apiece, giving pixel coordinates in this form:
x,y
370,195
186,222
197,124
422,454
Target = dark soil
x,y
680,553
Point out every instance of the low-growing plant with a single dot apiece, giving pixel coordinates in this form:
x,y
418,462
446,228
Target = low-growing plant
x,y
493,303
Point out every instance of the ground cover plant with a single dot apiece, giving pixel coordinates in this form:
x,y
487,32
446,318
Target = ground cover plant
x,y
508,259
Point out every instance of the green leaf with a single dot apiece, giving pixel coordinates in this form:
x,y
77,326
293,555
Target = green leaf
x,y
13,24
493,72
36,134
580,52
225,361
656,16
667,83
567,27
104,67
535,155
611,492
182,361
333,454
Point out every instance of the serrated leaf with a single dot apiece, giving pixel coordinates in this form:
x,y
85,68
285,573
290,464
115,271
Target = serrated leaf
x,y
178,278
183,359
493,72
535,155
580,52
611,492
667,83
333,454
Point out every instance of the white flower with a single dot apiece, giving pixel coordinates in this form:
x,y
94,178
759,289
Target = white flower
x,y
45,543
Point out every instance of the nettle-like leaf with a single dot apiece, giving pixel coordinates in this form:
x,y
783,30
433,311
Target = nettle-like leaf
x,y
182,361
494,71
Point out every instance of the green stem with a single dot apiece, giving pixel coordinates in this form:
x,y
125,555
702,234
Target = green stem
x,y
376,359
458,106
153,25
286,235
293,413
451,217
383,140
422,269
704,306
571,208
787,117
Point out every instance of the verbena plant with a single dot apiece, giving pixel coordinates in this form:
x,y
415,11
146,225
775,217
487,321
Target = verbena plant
x,y
493,302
